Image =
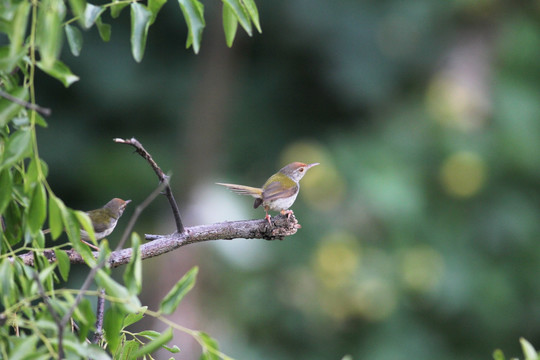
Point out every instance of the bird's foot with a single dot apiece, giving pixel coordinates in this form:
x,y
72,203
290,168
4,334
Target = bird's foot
x,y
287,212
267,218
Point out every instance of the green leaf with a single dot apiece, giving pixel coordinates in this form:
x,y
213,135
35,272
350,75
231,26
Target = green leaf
x,y
210,347
7,62
193,12
133,272
8,108
71,224
85,317
24,348
91,14
251,8
117,8
6,184
133,318
172,299
63,263
104,30
140,22
38,209
241,14
56,225
154,6
129,349
230,24
78,7
18,24
75,39
112,325
87,225
18,146
59,71
528,350
498,355
127,302
155,344
49,34
175,349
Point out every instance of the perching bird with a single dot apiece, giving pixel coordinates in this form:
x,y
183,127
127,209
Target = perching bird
x,y
279,192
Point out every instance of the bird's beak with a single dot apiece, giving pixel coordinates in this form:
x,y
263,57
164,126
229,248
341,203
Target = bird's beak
x,y
126,202
309,166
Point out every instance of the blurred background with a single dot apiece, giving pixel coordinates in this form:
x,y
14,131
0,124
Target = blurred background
x,y
420,227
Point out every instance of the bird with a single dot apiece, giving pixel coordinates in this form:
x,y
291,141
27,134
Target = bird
x,y
103,220
279,192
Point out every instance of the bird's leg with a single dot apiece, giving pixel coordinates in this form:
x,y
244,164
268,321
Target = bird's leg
x,y
287,212
267,217
91,245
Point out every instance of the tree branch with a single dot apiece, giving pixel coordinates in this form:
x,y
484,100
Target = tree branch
x,y
42,110
280,227
161,176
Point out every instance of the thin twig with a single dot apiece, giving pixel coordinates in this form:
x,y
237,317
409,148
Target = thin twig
x,y
161,176
280,227
100,311
42,110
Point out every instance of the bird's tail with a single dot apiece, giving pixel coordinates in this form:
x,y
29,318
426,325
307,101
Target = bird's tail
x,y
244,190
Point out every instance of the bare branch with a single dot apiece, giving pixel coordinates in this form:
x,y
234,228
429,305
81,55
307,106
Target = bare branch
x,y
280,227
42,110
161,176
100,311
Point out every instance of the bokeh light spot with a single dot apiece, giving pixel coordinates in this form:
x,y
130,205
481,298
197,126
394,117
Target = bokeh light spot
x,y
463,174
375,299
337,259
422,268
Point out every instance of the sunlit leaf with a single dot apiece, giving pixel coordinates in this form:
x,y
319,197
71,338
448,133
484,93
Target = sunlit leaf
x,y
59,71
8,108
86,223
154,6
91,14
155,344
251,8
528,350
75,39
193,11
171,301
140,22
241,14
210,347
230,24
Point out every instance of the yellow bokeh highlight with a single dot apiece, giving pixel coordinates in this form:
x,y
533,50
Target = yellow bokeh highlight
x,y
323,187
463,174
422,268
337,260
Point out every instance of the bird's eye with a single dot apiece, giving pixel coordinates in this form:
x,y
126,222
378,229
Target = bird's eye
x,y
301,169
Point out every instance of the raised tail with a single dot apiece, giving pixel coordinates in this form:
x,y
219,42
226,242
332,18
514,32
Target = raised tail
x,y
244,190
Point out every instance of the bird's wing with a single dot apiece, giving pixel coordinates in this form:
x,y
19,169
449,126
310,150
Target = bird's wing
x,y
275,190
243,190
